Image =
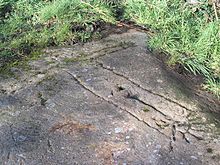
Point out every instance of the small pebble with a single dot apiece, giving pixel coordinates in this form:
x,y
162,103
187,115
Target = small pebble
x,y
118,130
21,138
158,146
21,155
89,79
158,155
160,81
199,153
85,70
40,75
212,125
193,157
127,137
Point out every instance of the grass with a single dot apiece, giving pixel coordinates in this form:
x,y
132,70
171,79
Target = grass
x,y
188,33
27,25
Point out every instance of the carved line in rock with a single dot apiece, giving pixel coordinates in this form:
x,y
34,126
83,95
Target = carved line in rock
x,y
143,102
106,50
138,118
111,102
140,86
171,137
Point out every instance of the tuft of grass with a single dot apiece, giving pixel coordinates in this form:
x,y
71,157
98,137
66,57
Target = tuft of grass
x,y
188,33
34,24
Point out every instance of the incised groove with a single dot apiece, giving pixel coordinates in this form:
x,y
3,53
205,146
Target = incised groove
x,y
111,102
140,86
99,53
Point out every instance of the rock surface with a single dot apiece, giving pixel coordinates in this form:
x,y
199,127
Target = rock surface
x,y
105,102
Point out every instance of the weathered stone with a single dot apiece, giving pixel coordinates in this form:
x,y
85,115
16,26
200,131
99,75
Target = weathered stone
x,y
105,102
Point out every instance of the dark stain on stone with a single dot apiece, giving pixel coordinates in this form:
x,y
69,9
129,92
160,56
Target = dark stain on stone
x,y
133,96
50,87
120,88
42,99
146,109
26,135
209,150
216,157
20,137
8,100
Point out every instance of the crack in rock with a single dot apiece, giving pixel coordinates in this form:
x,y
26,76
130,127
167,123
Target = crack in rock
x,y
173,137
140,86
92,56
135,97
111,102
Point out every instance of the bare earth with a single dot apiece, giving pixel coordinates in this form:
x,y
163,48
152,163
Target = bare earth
x,y
105,102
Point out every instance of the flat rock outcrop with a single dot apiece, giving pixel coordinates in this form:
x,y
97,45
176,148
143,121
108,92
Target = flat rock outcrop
x,y
105,102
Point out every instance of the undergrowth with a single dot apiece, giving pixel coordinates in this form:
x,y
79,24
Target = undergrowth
x,y
189,33
27,25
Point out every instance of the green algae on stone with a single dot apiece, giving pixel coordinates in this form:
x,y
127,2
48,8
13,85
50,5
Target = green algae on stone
x,y
146,109
82,57
209,150
23,64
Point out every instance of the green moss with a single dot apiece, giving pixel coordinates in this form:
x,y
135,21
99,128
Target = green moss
x,y
35,55
209,150
21,64
146,109
50,62
47,78
82,57
6,71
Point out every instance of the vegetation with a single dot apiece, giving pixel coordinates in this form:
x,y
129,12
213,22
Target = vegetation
x,y
188,32
27,25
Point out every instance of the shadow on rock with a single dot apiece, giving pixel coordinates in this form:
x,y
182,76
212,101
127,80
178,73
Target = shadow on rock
x,y
18,138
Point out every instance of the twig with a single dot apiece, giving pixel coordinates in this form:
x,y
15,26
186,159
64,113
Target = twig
x,y
215,10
